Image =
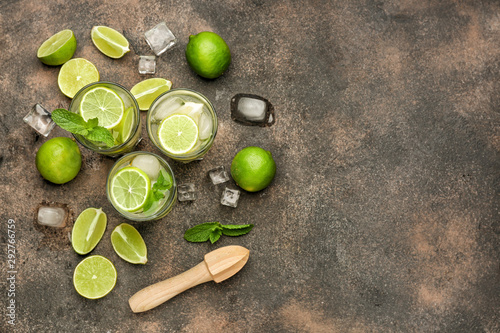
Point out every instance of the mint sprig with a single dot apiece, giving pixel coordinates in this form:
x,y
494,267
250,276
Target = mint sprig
x,y
74,123
157,192
213,230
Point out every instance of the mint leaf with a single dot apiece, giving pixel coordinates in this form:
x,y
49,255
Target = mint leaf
x,y
236,230
215,234
69,121
202,232
91,123
101,134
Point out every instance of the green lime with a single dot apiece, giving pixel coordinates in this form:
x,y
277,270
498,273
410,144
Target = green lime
x,y
94,277
130,189
109,41
88,230
178,134
104,104
145,92
126,125
58,160
57,49
208,54
76,74
129,245
253,168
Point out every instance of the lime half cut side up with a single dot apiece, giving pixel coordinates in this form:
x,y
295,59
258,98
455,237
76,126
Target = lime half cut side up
x,y
88,230
57,49
104,104
76,74
178,134
94,277
109,41
128,244
130,188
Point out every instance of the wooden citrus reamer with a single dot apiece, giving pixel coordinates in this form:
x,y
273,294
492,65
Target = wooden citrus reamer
x,y
218,266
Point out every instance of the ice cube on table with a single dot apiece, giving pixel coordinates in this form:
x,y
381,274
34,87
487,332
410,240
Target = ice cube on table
x,y
39,119
147,64
168,107
230,197
252,110
160,38
149,164
218,175
205,126
186,192
51,216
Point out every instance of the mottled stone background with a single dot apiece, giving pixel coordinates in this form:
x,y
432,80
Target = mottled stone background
x,y
384,213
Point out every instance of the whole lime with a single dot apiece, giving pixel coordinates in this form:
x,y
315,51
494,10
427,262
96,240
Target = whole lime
x,y
59,160
253,168
208,54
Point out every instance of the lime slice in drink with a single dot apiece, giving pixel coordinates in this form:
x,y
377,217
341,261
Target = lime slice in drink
x,y
57,49
109,41
130,189
145,92
76,74
178,134
104,104
94,277
129,245
88,230
124,128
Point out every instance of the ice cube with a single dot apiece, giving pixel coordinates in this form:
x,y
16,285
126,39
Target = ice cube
x,y
51,216
149,164
147,64
186,192
192,110
230,197
160,38
252,110
40,120
218,175
168,107
205,126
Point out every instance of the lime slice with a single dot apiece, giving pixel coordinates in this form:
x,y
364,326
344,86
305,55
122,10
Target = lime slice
x,y
129,245
130,189
109,41
178,134
104,104
57,49
88,230
126,125
145,92
94,277
76,74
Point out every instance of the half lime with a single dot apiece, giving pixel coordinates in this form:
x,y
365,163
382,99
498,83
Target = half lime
x,y
94,277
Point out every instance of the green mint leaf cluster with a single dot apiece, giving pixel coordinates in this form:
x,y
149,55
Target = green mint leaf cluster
x,y
157,192
213,230
74,123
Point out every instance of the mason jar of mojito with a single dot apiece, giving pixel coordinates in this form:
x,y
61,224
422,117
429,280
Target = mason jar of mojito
x,y
182,123
115,109
141,186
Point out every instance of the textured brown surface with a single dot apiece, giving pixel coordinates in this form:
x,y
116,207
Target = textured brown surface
x,y
384,213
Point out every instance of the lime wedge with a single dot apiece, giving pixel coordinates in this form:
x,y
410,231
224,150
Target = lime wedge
x,y
104,104
129,245
76,74
145,92
88,230
178,134
94,277
57,49
109,41
124,128
130,189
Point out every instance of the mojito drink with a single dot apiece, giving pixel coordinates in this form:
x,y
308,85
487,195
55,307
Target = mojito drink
x,y
182,123
141,186
116,109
